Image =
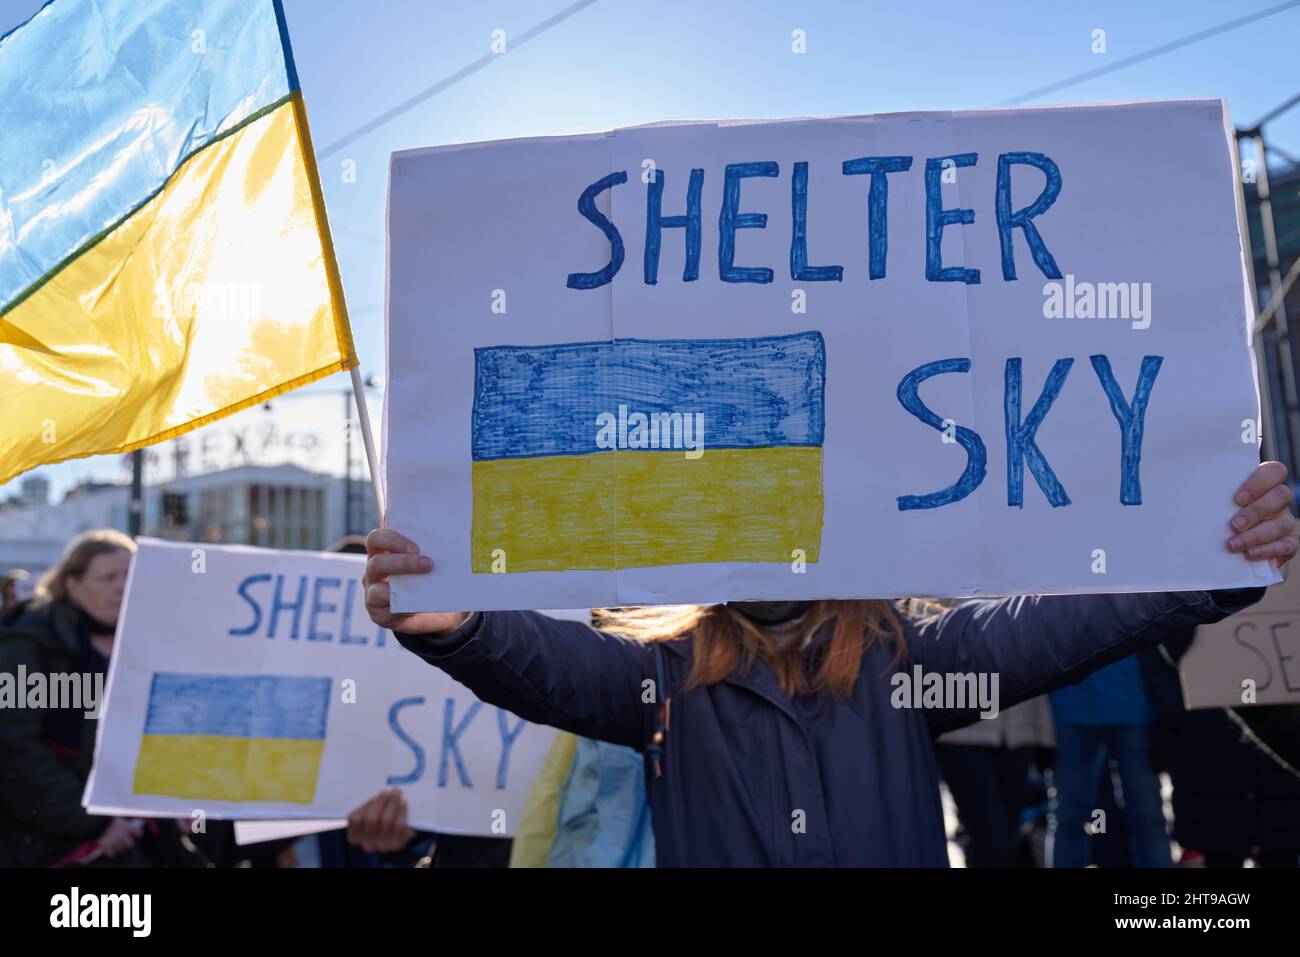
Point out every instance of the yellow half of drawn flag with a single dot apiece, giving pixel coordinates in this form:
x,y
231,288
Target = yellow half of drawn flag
x,y
165,258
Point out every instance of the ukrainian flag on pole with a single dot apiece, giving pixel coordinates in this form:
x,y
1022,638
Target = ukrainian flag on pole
x,y
165,258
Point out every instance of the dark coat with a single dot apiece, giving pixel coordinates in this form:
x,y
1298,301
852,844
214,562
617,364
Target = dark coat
x,y
751,777
43,768
1229,796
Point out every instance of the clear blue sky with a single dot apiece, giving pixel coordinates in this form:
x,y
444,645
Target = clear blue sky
x,y
622,62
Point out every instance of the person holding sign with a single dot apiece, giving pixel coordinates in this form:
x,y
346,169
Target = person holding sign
x,y
797,732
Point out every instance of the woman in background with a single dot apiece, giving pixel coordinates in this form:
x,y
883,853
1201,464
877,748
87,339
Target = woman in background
x,y
46,752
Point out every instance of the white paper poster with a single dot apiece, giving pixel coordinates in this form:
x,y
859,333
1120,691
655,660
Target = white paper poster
x,y
249,683
951,354
1251,658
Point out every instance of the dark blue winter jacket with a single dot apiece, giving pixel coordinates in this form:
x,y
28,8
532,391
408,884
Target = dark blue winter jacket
x,y
749,776
1113,695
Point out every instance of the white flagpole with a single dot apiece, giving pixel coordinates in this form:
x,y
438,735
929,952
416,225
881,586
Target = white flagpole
x,y
368,439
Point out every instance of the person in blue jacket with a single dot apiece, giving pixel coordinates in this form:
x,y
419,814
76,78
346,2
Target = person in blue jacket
x,y
781,732
1105,717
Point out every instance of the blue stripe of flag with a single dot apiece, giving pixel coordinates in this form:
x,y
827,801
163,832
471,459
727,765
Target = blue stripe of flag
x,y
240,706
101,101
544,400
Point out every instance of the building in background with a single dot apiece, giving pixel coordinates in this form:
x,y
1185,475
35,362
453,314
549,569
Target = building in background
x,y
279,506
1272,201
32,534
35,490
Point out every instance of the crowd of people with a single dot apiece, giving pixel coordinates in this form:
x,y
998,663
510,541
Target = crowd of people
x,y
66,624
770,737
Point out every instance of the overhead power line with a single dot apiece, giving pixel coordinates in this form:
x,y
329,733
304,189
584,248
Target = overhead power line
x,y
1150,54
448,81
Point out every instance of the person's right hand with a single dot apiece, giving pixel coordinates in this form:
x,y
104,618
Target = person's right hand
x,y
118,837
379,826
393,554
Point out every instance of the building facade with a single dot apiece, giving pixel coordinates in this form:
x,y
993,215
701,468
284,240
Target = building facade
x,y
282,506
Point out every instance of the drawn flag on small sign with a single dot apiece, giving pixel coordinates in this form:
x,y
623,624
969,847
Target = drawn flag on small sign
x,y
233,738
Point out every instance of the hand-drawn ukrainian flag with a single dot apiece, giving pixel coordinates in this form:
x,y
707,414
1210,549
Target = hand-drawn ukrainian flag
x,y
552,494
164,254
233,738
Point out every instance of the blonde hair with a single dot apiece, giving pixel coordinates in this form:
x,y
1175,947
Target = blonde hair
x,y
726,641
76,558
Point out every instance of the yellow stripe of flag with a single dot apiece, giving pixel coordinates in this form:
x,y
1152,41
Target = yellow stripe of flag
x,y
214,767
650,509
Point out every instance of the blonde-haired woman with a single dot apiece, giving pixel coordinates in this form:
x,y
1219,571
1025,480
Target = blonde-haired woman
x,y
789,733
46,751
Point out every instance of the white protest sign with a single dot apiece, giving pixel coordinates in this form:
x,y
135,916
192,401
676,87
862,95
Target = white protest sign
x,y
254,832
249,683
989,352
1251,658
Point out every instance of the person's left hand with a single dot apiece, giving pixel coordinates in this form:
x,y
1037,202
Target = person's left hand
x,y
1263,526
